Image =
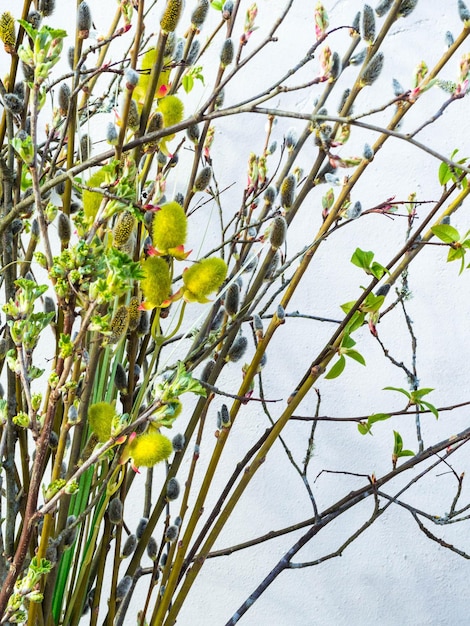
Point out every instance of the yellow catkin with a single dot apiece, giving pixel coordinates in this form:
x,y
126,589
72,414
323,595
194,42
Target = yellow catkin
x,y
171,15
7,31
123,228
134,313
119,324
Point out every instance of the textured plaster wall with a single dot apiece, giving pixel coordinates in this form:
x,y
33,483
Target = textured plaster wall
x,y
392,574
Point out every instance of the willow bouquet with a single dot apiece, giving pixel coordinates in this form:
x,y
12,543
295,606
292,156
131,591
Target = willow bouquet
x,y
153,271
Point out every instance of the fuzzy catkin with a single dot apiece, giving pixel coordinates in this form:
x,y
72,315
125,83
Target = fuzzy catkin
x,y
171,15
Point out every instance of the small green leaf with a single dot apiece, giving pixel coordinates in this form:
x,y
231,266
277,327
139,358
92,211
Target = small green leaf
x,y
398,443
403,391
431,407
362,258
446,233
354,354
347,342
187,82
217,5
364,428
406,453
444,174
355,322
337,368
377,417
420,393
377,270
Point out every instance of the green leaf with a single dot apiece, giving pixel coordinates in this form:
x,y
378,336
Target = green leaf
x,y
403,391
328,199
406,453
364,428
377,417
431,407
356,321
362,258
446,233
419,393
444,173
377,270
347,342
372,303
217,5
398,443
187,82
354,354
337,368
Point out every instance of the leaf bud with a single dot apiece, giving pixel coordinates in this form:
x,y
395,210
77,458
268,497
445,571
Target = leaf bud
x,y
193,133
69,534
199,14
172,489
178,51
171,15
16,226
336,67
372,70
13,103
227,10
83,20
383,290
287,192
227,53
407,7
272,267
35,229
111,134
280,313
193,52
445,220
397,88
269,196
278,232
225,416
131,78
115,511
368,24
178,442
383,7
355,26
129,546
237,349
34,18
72,416
64,98
203,178
367,152
232,299
171,533
49,305
464,13
144,324
141,526
258,325
123,588
64,228
219,99
206,372
291,139
152,549
120,378
46,7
